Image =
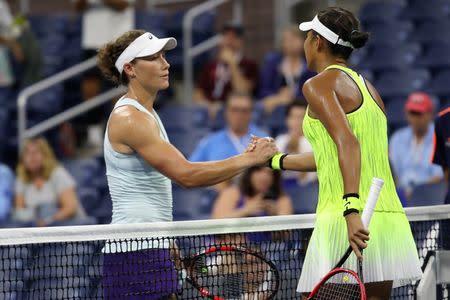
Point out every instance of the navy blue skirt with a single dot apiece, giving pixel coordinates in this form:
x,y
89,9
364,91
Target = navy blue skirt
x,y
145,274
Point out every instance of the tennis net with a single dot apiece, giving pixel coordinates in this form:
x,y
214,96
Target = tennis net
x,y
251,258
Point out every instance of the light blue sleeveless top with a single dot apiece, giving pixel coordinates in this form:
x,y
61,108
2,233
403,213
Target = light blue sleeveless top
x,y
139,192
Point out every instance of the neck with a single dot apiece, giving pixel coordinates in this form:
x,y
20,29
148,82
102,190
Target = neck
x,y
293,59
420,134
34,175
239,132
322,64
141,95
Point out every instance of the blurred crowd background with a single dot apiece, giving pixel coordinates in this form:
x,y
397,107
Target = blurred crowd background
x,y
248,74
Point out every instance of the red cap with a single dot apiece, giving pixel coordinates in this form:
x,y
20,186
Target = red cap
x,y
419,102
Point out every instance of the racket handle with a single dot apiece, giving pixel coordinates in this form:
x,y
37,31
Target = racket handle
x,y
374,192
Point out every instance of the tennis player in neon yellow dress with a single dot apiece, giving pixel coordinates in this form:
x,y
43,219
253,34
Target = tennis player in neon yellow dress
x,y
347,127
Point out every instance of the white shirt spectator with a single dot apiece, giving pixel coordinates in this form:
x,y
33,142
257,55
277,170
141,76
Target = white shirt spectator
x,y
102,24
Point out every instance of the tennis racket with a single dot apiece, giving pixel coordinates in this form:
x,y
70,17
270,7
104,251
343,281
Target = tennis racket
x,y
232,272
344,284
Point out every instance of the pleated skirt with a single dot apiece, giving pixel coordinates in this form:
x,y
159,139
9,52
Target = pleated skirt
x,y
391,253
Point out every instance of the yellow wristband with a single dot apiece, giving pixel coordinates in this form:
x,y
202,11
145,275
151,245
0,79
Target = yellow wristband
x,y
352,203
275,162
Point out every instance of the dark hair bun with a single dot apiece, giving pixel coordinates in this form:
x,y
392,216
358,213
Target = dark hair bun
x,y
358,39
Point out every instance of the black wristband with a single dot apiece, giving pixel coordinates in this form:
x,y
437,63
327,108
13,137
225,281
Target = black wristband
x,y
351,210
281,161
354,195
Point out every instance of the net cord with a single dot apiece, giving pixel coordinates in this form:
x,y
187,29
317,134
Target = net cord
x,y
158,230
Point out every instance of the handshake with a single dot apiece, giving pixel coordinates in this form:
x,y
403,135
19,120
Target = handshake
x,y
261,149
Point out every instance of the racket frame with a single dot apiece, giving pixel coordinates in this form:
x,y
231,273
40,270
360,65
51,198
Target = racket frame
x,y
333,272
189,263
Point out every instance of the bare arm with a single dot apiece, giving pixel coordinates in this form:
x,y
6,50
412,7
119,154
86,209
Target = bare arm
x,y
284,204
238,81
225,205
68,205
138,131
14,47
19,201
303,162
284,96
324,103
435,179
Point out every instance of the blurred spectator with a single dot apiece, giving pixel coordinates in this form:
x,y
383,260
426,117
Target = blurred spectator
x,y
6,192
441,142
411,147
260,194
20,55
295,142
45,191
230,71
233,139
103,21
284,73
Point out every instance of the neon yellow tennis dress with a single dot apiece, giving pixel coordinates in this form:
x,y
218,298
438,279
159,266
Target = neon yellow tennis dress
x,y
391,253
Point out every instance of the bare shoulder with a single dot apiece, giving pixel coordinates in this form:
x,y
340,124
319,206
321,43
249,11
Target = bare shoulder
x,y
128,126
231,193
323,81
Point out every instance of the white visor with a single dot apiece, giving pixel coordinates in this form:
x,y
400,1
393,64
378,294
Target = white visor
x,y
324,31
145,45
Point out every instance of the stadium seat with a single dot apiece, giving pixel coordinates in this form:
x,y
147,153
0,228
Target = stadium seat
x,y
152,20
187,141
84,170
428,194
358,57
304,198
432,31
392,33
401,83
209,196
89,198
391,57
425,10
436,56
276,120
48,24
395,111
186,203
184,117
440,85
46,103
203,24
380,11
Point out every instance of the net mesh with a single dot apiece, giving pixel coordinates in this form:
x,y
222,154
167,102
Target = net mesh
x,y
141,261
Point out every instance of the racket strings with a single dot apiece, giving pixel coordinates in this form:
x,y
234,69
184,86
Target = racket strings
x,y
341,286
234,275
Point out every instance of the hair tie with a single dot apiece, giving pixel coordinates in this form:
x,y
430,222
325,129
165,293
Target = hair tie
x,y
353,31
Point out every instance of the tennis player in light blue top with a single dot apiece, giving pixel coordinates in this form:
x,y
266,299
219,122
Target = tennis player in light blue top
x,y
141,162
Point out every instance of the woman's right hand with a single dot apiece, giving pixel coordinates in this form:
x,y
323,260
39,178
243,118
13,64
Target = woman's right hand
x,y
261,150
357,234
